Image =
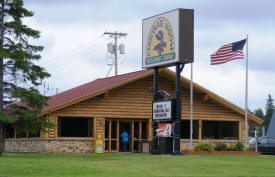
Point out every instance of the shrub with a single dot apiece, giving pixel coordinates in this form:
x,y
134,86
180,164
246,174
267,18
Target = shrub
x,y
188,150
220,147
250,148
238,146
204,147
230,147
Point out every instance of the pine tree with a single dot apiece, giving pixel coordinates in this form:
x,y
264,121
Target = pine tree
x,y
260,114
19,75
269,109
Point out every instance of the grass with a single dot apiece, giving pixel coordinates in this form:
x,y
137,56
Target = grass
x,y
132,165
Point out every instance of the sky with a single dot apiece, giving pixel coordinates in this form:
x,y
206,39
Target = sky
x,y
75,49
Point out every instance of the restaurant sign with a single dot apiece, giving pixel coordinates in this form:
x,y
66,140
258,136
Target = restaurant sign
x,y
168,38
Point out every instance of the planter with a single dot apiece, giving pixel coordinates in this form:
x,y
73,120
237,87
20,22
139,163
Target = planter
x,y
222,153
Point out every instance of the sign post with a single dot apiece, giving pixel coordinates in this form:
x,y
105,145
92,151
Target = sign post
x,y
167,40
177,123
155,124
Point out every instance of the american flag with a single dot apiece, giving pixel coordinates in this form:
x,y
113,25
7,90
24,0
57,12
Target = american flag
x,y
228,52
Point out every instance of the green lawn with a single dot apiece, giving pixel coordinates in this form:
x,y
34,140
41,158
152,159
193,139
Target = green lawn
x,y
55,165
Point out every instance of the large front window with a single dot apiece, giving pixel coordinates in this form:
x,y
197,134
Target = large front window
x,y
75,127
220,130
185,129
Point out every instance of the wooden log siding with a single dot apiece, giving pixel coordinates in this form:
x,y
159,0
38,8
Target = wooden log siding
x,y
52,132
99,127
134,101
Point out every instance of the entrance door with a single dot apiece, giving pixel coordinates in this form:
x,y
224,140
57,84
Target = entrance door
x,y
137,131
111,136
125,126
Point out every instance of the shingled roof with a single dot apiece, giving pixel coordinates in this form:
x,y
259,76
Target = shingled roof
x,y
90,88
100,86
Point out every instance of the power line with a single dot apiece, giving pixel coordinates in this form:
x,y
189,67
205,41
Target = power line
x,y
69,59
78,49
66,59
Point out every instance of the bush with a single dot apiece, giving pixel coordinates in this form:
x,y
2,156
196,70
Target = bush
x,y
250,148
230,147
238,147
204,147
220,147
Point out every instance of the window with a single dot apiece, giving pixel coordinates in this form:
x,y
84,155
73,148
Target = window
x,y
34,134
185,129
9,131
75,127
220,130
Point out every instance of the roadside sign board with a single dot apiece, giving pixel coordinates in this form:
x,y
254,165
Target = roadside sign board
x,y
168,38
163,110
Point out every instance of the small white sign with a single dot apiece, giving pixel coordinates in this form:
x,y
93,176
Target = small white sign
x,y
162,110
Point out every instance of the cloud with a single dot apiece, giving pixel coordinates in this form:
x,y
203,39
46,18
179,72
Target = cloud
x,y
75,51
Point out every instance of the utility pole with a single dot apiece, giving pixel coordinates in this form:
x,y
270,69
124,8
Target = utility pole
x,y
114,49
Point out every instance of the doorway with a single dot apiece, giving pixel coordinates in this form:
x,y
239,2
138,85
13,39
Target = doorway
x,y
137,131
125,126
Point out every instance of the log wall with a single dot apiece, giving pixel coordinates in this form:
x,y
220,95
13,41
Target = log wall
x,y
134,101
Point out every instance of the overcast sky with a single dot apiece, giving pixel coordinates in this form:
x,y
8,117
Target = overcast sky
x,y
76,50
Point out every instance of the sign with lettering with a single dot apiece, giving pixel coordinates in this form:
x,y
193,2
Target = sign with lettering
x,y
162,110
168,38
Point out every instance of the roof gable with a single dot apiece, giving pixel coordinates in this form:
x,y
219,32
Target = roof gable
x,y
100,86
90,89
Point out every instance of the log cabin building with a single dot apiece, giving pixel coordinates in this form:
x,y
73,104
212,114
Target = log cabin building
x,y
108,106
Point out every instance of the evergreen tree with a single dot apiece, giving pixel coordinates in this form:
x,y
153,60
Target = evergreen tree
x,y
19,75
260,114
269,109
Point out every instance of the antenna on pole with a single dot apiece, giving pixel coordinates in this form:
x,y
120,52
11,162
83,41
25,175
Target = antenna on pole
x,y
113,47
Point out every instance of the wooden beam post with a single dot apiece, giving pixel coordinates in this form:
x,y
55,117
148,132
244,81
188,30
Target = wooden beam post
x,y
200,130
132,135
150,130
117,140
140,130
240,131
94,127
56,128
110,136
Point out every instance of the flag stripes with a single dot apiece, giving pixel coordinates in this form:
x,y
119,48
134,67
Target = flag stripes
x,y
228,52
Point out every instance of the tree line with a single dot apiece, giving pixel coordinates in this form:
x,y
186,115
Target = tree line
x,y
265,115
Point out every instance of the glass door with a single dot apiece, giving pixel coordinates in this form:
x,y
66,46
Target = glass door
x,y
111,136
137,131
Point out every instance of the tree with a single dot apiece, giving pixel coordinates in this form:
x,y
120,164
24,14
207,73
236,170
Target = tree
x,y
19,75
269,109
258,113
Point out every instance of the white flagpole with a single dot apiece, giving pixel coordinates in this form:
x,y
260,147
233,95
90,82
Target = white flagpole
x,y
246,93
191,108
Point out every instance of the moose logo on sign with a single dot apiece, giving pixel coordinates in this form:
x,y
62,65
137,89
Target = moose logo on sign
x,y
160,44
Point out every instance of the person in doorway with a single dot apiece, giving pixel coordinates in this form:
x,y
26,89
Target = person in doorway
x,y
125,140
